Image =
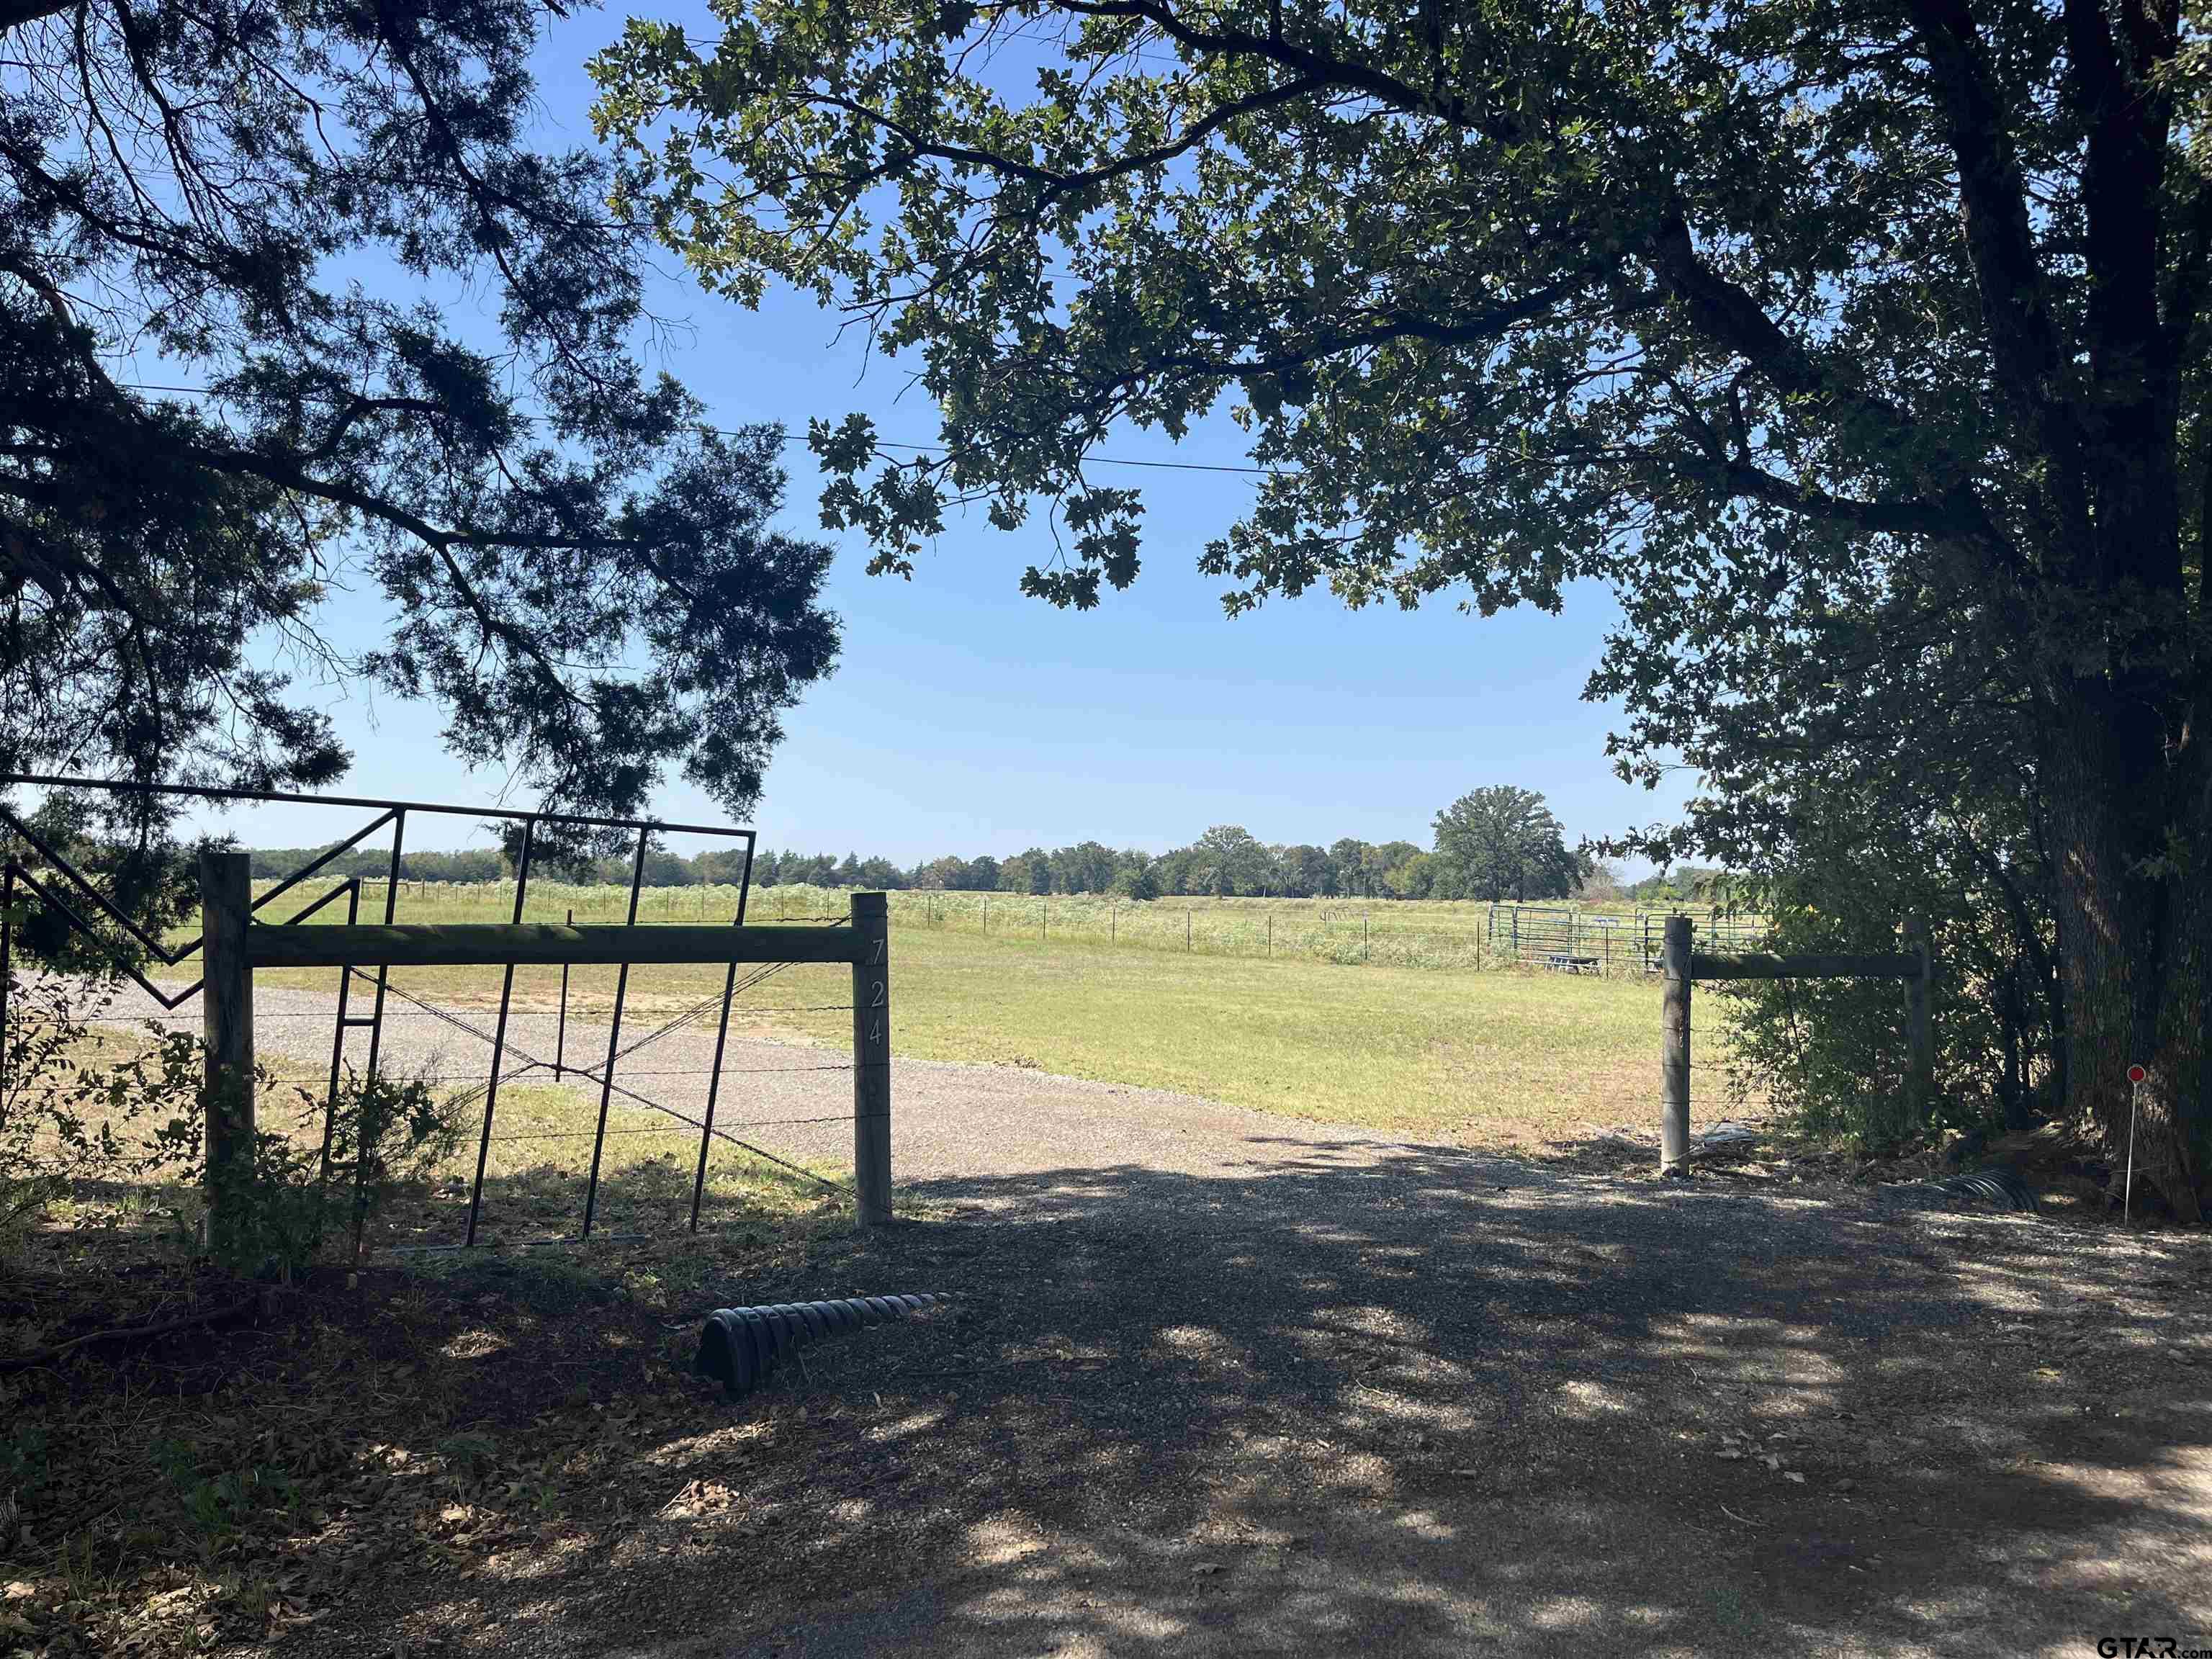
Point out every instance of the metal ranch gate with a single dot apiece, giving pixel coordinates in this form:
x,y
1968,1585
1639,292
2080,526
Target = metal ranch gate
x,y
234,942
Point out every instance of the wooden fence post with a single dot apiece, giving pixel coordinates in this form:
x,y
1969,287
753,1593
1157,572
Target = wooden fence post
x,y
1674,1051
871,1058
1919,1025
226,1010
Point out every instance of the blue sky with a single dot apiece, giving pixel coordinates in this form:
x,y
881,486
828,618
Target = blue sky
x,y
965,718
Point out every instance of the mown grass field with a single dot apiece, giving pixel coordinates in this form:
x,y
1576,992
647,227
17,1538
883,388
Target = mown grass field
x,y
1498,1058
1450,936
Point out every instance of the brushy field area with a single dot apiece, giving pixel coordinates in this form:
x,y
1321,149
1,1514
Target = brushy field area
x,y
1512,1057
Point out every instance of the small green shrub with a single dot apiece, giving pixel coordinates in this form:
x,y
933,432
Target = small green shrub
x,y
25,1463
69,1093
1832,1053
296,1201
79,1104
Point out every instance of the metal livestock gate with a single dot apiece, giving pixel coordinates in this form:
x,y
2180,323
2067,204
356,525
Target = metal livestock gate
x,y
43,871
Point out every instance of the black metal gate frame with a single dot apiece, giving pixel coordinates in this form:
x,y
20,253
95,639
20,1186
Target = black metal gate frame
x,y
395,813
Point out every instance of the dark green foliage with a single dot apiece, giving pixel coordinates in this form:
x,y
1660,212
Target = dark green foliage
x,y
78,1105
1863,352
1838,873
1087,868
1027,872
472,864
300,1195
1226,861
1139,880
1302,871
385,1133
1230,860
1679,884
1502,843
270,205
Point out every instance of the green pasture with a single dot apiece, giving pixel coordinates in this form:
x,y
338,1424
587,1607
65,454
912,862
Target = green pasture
x,y
1502,1057
1449,936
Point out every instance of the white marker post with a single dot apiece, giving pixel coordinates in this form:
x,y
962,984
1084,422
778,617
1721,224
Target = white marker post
x,y
2135,1076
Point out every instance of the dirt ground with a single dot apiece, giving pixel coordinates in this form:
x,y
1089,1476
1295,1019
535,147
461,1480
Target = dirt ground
x,y
1295,1391
950,1118
1411,1403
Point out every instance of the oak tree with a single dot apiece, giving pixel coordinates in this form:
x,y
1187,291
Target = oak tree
x,y
1502,843
1864,337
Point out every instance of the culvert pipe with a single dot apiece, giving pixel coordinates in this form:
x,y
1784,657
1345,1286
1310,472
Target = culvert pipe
x,y
741,1347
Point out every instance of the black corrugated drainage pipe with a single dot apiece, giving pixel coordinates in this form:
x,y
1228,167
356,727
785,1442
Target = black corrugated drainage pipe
x,y
1997,1184
741,1347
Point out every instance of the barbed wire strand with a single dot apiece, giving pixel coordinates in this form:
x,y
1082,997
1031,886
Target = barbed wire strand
x,y
615,1088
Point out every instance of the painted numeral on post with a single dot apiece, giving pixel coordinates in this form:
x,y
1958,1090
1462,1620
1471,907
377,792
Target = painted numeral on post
x,y
878,1000
875,956
875,1031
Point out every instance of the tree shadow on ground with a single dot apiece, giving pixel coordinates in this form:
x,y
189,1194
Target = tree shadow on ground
x,y
1391,1396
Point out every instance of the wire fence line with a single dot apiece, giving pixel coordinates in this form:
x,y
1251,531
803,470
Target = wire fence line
x,y
1565,938
710,1125
1445,935
415,1042
476,1083
1449,936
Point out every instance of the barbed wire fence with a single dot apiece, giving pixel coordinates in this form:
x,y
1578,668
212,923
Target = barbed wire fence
x,y
1445,936
777,1121
687,1090
658,1083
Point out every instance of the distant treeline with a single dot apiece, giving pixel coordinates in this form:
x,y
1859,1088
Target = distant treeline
x,y
1224,862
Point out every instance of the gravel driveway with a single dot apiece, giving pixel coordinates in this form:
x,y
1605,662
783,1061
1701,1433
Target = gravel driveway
x,y
1218,1383
949,1122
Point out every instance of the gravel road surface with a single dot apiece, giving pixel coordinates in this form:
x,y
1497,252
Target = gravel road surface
x,y
950,1122
1220,1383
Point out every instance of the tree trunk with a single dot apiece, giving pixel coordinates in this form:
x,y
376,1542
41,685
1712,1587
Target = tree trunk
x,y
2012,1015
2134,860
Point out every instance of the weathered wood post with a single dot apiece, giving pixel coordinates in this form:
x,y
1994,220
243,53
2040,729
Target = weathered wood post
x,y
227,1006
561,1031
1674,1050
1919,1025
871,1058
